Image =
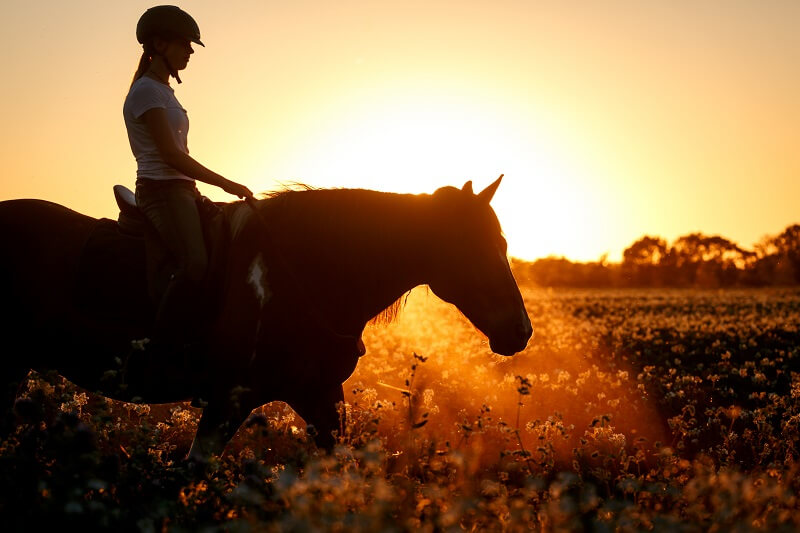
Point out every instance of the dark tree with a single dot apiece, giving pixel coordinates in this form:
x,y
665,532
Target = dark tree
x,y
706,261
694,260
642,261
780,257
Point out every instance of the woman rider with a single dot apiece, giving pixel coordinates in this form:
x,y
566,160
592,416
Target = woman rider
x,y
157,127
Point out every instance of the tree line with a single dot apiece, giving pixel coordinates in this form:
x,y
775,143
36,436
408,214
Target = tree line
x,y
694,260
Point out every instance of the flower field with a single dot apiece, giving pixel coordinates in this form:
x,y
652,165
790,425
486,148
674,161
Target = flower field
x,y
629,410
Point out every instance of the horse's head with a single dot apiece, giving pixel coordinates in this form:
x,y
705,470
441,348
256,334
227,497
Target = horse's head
x,y
470,269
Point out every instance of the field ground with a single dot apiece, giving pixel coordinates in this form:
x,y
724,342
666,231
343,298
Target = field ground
x,y
629,410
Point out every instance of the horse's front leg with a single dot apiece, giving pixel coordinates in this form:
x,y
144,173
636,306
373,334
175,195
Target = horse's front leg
x,y
219,422
232,348
320,409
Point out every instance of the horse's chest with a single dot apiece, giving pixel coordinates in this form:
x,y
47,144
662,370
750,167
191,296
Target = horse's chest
x,y
292,344
314,359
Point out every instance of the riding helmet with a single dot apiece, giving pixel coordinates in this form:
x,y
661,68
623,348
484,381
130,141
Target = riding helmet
x,y
166,21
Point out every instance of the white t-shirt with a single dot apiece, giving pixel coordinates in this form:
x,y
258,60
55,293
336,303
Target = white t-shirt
x,y
146,93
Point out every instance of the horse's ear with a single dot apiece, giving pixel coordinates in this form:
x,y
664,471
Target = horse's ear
x,y
468,187
488,193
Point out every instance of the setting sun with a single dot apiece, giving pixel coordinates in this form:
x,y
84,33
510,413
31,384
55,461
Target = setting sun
x,y
407,139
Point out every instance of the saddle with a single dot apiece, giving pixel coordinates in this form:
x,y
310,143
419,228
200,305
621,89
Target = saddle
x,y
124,269
159,263
130,219
133,222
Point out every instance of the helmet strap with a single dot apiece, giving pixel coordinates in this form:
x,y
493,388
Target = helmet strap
x,y
172,71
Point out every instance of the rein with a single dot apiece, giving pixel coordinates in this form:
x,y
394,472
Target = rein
x,y
312,308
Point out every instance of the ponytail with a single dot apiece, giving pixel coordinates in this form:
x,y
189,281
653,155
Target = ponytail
x,y
144,64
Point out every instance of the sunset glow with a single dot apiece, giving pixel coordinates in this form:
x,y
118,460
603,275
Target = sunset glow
x,y
609,122
407,141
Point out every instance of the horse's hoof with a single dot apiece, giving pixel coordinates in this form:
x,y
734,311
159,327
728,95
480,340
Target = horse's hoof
x,y
196,466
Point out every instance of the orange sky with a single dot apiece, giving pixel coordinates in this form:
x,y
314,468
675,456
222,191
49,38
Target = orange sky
x,y
610,119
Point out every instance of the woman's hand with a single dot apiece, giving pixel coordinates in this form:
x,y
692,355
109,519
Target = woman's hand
x,y
236,189
158,126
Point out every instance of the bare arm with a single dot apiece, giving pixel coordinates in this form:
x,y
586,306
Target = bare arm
x,y
158,126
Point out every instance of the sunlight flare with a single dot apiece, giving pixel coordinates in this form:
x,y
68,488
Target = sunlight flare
x,y
415,142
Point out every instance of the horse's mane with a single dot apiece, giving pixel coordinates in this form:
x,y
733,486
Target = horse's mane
x,y
388,315
300,202
296,204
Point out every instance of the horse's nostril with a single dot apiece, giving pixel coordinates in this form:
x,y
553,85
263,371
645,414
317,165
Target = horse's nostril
x,y
523,330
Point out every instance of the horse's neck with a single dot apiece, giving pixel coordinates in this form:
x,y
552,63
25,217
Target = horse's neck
x,y
386,259
364,258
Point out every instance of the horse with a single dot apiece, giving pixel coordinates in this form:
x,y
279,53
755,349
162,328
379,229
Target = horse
x,y
305,271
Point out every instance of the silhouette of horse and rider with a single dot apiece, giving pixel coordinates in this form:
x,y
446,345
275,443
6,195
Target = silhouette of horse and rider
x,y
294,280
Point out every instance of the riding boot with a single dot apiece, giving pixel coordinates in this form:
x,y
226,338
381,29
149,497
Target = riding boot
x,y
176,333
173,355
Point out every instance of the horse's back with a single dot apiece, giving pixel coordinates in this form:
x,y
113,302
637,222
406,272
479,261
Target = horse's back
x,y
28,224
40,244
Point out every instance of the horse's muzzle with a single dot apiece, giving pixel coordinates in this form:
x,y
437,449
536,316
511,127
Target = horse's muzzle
x,y
513,340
